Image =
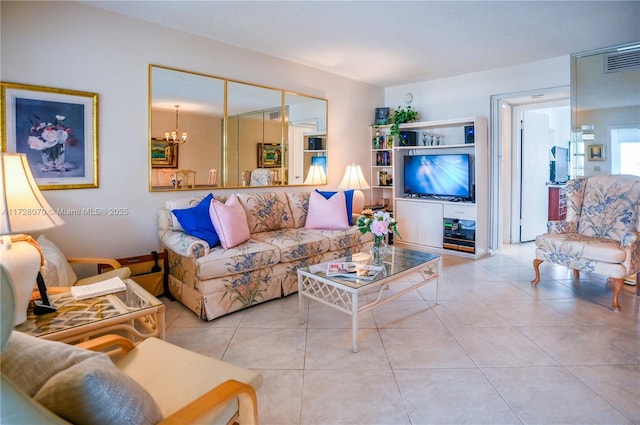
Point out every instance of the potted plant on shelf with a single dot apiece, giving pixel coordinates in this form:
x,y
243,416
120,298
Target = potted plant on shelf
x,y
401,116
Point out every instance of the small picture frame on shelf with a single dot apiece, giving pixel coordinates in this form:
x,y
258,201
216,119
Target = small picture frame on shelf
x,y
382,116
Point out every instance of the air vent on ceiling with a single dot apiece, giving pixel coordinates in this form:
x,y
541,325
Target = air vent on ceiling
x,y
622,61
274,116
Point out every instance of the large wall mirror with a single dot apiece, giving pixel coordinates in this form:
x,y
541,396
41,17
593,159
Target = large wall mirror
x,y
605,106
237,134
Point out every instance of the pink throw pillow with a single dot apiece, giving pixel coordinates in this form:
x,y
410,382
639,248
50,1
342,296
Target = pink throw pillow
x,y
328,214
230,222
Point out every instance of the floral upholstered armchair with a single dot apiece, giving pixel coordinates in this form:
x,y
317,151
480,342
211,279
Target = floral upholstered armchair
x,y
601,233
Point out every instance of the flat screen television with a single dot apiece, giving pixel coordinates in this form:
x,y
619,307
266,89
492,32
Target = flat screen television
x,y
320,160
559,172
445,176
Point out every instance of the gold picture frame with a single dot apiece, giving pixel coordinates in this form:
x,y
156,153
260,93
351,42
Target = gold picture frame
x,y
595,152
57,129
269,155
163,154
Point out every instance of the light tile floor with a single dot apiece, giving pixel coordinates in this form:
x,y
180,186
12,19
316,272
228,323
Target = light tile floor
x,y
495,351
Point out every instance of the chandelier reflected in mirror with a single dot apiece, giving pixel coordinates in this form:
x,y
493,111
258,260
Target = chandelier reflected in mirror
x,y
176,136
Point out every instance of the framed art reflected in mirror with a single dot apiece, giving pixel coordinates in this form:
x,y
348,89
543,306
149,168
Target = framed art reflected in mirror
x,y
163,154
596,152
269,155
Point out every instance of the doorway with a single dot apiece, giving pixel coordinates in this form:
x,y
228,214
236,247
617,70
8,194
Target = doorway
x,y
511,183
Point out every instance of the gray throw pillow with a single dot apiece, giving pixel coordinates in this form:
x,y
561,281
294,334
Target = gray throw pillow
x,y
96,392
30,362
81,386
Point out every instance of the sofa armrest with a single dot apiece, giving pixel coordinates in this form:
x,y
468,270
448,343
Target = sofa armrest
x,y
629,239
217,398
111,344
183,244
561,226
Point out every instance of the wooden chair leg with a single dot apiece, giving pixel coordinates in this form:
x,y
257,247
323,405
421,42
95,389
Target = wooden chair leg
x,y
617,288
576,274
536,264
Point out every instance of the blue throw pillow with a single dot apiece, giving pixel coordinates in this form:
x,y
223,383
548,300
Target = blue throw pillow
x,y
348,194
196,221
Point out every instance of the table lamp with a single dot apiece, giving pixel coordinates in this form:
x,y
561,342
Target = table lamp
x,y
354,179
316,175
22,209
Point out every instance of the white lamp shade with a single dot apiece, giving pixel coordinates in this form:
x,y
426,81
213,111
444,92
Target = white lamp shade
x,y
353,178
316,175
22,206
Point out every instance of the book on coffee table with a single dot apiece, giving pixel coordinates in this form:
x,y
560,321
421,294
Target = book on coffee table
x,y
109,286
353,270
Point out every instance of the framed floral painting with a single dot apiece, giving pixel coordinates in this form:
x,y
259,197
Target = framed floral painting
x,y
57,129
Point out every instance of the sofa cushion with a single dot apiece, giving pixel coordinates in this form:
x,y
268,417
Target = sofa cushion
x,y
580,246
248,256
327,213
180,204
348,195
343,238
266,211
196,221
299,206
57,271
152,364
230,222
294,244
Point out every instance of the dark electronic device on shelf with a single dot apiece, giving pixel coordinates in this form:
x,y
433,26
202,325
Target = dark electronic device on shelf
x,y
408,138
315,143
469,134
459,235
43,305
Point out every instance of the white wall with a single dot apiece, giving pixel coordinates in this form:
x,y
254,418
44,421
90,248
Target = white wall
x,y
77,47
469,94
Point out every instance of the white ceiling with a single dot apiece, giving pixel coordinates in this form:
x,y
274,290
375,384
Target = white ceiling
x,y
389,43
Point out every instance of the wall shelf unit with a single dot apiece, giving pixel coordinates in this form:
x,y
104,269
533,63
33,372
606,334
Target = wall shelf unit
x,y
444,225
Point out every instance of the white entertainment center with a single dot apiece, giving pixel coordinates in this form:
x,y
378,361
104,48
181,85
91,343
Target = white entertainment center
x,y
444,224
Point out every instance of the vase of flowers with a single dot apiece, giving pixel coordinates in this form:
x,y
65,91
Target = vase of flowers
x,y
379,224
51,139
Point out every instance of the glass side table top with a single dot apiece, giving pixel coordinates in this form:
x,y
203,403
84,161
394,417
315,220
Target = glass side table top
x,y
75,313
398,261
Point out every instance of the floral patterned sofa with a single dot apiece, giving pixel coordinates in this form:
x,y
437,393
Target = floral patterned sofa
x,y
215,281
601,233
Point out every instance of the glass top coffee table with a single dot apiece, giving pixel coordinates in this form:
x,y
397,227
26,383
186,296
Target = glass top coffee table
x,y
342,293
134,311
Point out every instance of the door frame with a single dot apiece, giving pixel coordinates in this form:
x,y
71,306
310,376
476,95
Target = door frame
x,y
501,162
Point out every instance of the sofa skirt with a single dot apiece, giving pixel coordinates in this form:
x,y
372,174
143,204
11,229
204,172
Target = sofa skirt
x,y
214,298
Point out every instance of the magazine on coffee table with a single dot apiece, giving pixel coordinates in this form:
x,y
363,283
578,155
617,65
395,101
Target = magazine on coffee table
x,y
353,270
